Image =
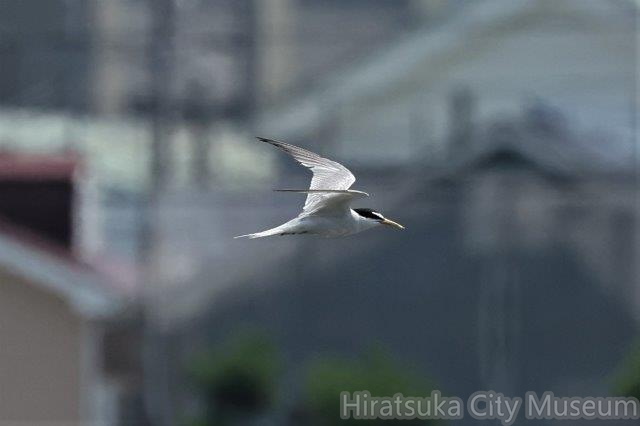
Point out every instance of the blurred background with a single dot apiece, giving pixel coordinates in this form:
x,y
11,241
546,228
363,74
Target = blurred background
x,y
502,133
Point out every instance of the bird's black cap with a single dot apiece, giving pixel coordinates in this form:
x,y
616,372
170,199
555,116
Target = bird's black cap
x,y
369,214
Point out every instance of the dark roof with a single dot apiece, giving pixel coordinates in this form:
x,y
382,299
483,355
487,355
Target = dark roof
x,y
36,167
542,141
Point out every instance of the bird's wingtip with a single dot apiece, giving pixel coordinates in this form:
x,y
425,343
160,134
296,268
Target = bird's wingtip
x,y
271,141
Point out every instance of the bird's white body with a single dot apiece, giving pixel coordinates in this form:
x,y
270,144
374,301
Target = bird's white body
x,y
326,226
327,211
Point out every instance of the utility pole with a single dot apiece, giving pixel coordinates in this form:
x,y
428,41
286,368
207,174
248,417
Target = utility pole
x,y
247,17
461,121
161,67
155,356
197,113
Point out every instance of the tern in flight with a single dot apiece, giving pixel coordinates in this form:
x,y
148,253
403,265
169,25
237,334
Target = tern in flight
x,y
327,211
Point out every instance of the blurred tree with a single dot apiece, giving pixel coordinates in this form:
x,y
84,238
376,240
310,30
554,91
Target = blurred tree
x,y
375,372
236,379
628,380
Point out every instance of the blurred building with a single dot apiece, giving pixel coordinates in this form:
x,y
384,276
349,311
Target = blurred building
x,y
174,84
54,309
514,262
222,63
434,101
50,347
229,57
502,132
46,55
575,55
518,185
100,57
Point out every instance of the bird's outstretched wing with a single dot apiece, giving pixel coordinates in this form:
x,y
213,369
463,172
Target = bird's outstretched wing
x,y
330,182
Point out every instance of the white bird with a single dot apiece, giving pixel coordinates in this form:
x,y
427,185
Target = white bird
x,y
327,211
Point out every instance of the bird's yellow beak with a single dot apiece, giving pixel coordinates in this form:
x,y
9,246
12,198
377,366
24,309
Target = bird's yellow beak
x,y
392,223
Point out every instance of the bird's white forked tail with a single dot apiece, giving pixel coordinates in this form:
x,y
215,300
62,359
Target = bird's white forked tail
x,y
268,233
278,230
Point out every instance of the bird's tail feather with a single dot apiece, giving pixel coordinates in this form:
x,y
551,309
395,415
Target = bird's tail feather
x,y
268,233
248,236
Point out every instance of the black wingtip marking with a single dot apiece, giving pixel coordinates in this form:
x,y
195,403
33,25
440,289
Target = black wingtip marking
x,y
271,141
